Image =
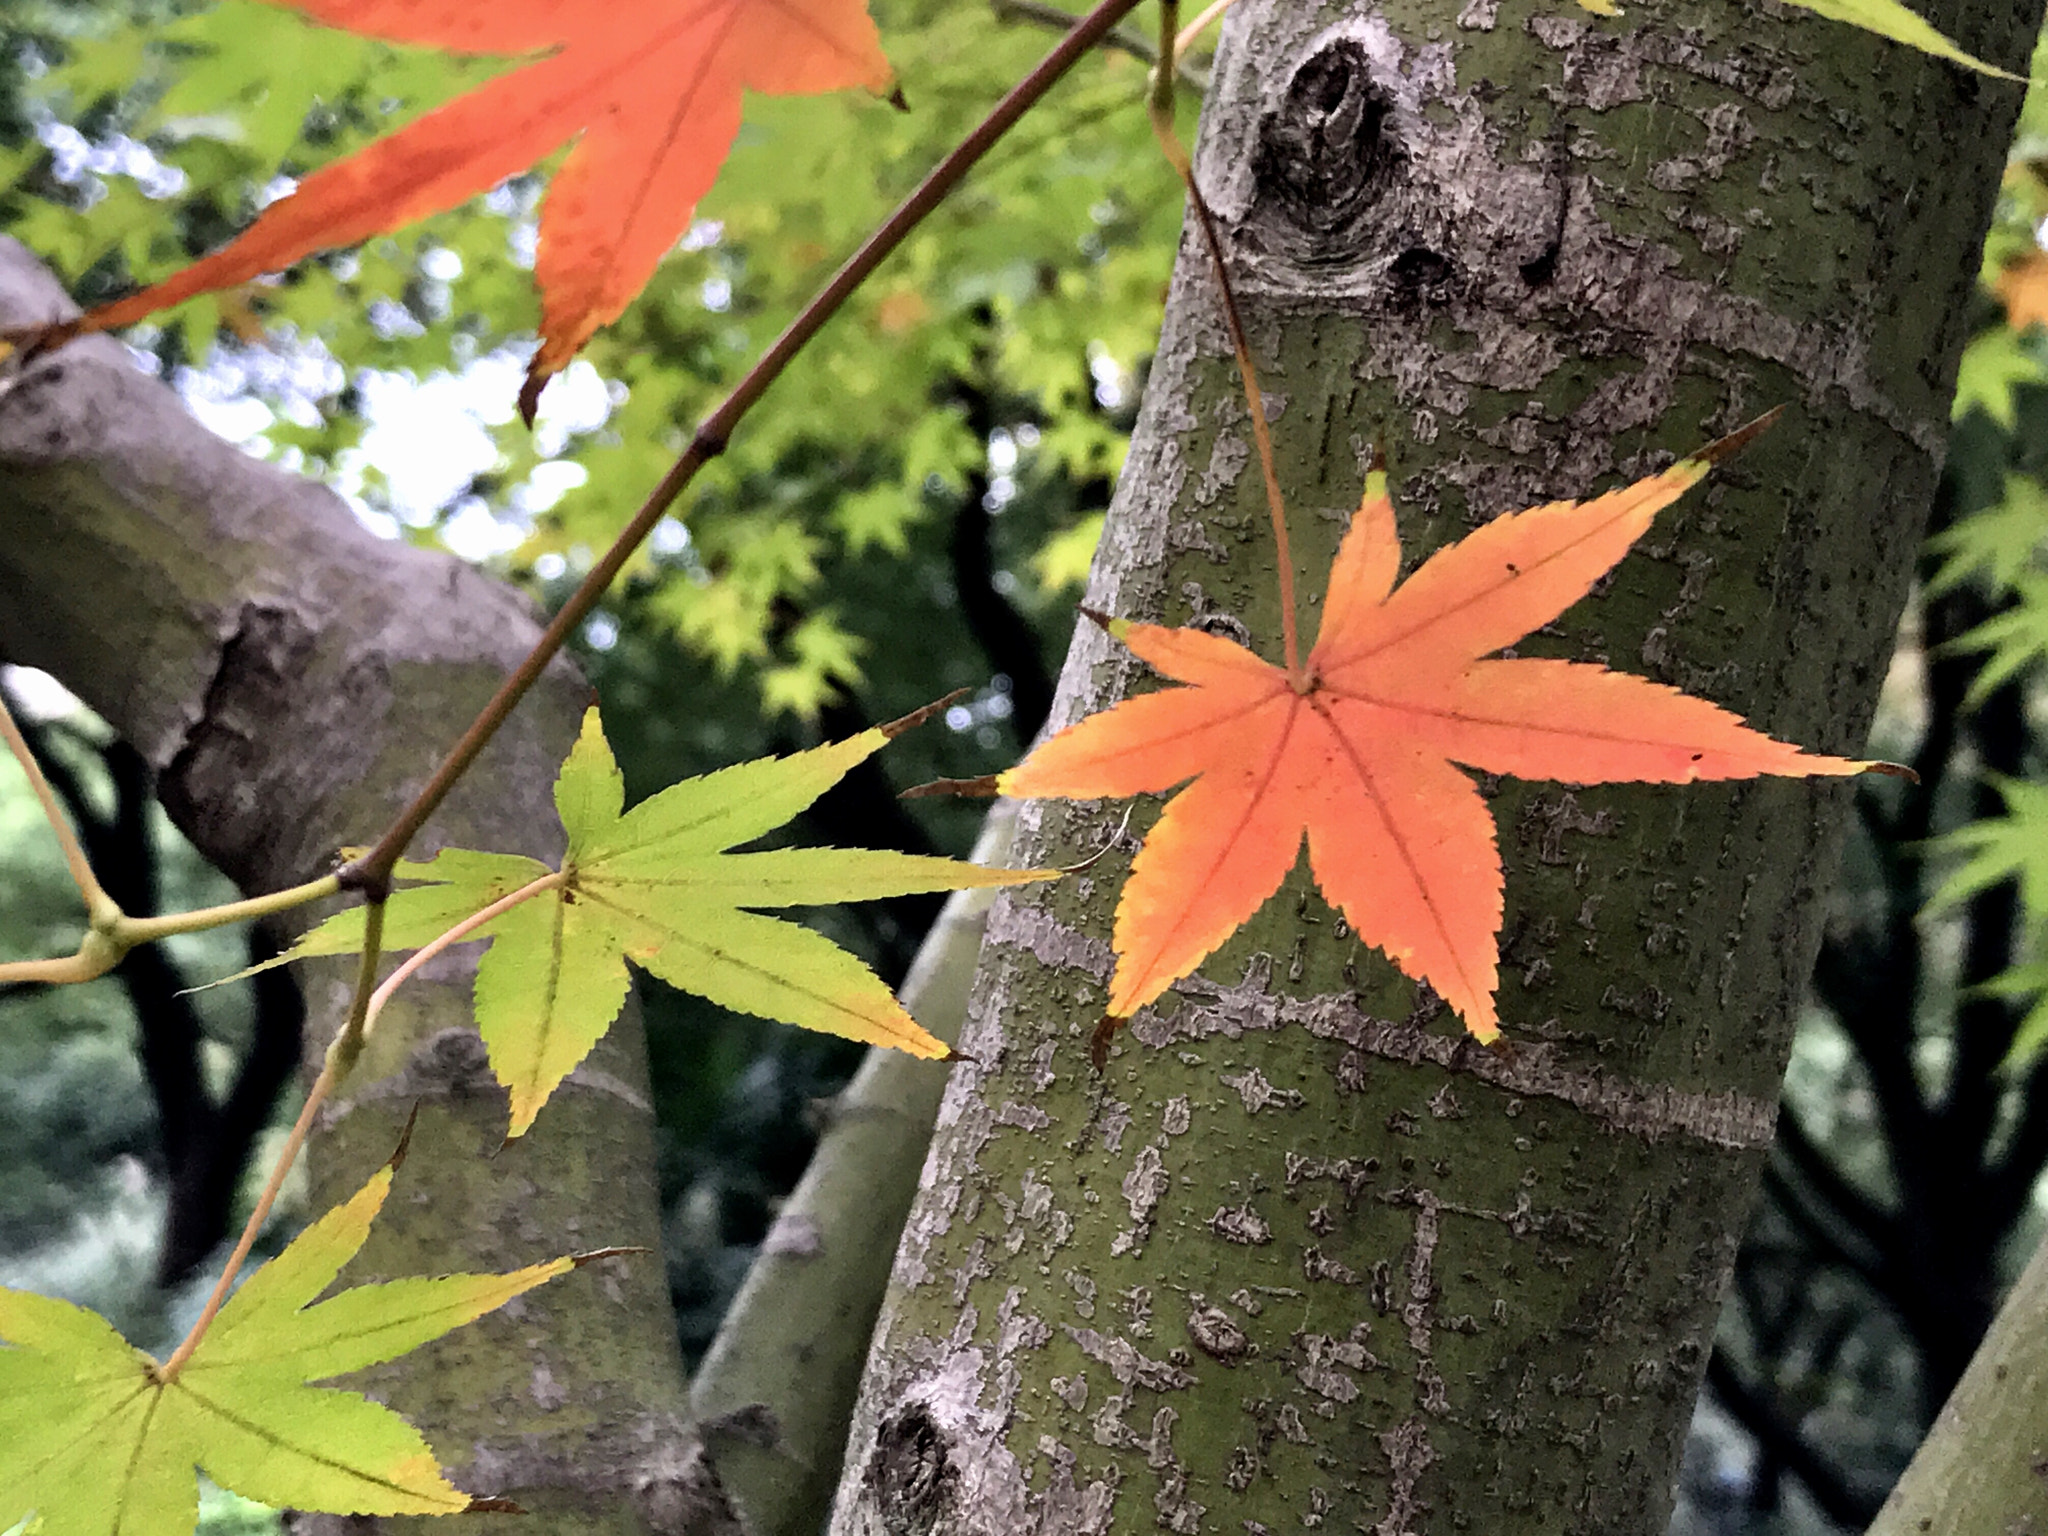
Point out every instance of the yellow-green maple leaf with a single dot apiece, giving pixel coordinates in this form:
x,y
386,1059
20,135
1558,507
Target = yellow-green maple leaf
x,y
657,885
96,1444
1887,18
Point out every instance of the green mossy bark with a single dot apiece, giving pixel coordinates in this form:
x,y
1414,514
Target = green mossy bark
x,y
1303,1256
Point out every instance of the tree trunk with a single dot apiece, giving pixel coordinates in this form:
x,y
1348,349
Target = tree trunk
x,y
1303,1256
292,680
1983,1468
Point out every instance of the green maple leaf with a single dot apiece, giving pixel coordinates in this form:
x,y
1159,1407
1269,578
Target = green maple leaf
x,y
1889,19
657,885
2009,847
96,1443
2016,639
2005,542
2030,1036
1992,366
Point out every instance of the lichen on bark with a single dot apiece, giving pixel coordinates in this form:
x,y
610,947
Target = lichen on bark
x,y
1302,1256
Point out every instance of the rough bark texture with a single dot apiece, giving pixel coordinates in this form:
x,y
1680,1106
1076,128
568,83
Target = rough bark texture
x,y
292,680
1983,1468
1303,1257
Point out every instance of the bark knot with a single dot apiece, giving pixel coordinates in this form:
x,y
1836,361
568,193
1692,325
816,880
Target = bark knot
x,y
1326,154
911,1475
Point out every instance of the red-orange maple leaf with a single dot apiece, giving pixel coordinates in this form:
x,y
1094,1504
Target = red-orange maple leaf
x,y
653,90
1356,752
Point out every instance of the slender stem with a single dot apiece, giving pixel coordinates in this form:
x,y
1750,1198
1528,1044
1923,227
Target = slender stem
x,y
348,1041
83,966
372,871
453,936
108,940
130,931
332,1071
1161,112
315,1097
1160,99
98,904
1185,38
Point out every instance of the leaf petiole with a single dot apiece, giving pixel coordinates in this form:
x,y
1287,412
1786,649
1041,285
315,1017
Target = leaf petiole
x,y
332,1071
454,936
1186,37
1159,107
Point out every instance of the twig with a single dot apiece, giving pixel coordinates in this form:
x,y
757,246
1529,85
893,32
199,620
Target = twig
x,y
1161,112
98,904
130,931
62,971
372,872
114,933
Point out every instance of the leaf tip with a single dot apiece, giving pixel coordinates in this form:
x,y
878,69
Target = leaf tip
x,y
398,1153
494,1507
917,717
1890,770
1727,447
1098,1043
578,1260
987,787
1486,1031
529,393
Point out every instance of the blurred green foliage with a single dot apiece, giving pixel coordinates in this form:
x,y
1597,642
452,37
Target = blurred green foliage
x,y
1034,285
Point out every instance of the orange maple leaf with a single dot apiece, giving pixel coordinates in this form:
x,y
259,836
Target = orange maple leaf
x,y
1355,752
2022,286
652,89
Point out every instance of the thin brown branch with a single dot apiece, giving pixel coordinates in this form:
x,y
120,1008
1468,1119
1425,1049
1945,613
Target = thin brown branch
x,y
1161,112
